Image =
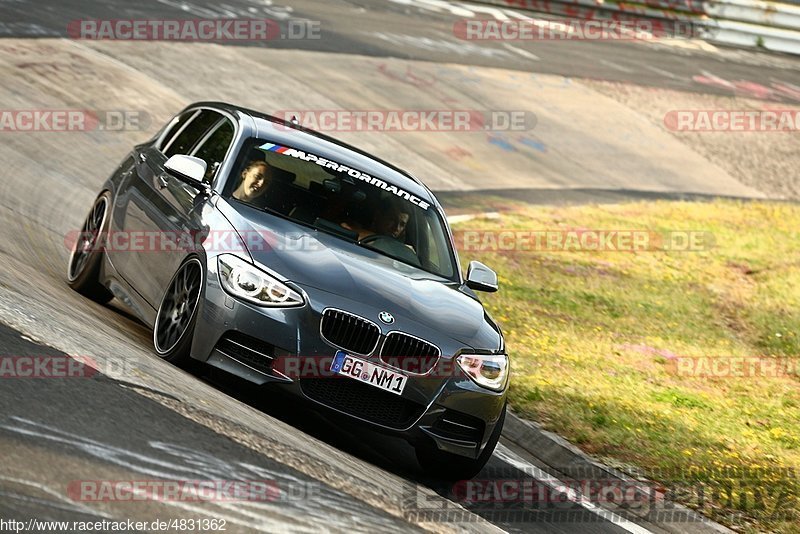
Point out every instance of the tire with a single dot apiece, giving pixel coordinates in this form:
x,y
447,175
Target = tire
x,y
83,269
452,467
177,314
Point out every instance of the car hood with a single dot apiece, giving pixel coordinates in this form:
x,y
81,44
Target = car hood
x,y
315,259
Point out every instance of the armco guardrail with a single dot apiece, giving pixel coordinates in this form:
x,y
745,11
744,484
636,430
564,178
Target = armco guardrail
x,y
749,23
659,9
756,35
768,14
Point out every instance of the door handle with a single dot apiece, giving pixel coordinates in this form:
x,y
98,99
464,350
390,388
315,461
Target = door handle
x,y
163,181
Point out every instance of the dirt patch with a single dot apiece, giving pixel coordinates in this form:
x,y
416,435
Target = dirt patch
x,y
766,161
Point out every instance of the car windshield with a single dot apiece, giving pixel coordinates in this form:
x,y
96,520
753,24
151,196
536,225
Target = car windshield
x,y
342,201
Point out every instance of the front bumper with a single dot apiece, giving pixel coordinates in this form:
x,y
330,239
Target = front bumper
x,y
283,347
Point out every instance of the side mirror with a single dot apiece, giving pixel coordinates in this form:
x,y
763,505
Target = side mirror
x,y
187,168
481,278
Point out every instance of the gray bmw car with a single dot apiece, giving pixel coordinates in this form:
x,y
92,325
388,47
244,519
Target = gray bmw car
x,y
292,260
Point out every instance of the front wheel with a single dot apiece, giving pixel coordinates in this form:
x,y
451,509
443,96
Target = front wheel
x,y
87,254
177,313
451,467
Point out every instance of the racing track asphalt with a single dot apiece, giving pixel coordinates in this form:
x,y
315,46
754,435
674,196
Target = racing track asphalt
x,y
56,432
417,29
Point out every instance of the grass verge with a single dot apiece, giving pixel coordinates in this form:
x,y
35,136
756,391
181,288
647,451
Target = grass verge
x,y
683,363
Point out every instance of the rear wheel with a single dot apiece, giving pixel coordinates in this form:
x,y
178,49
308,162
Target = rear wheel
x,y
451,467
87,254
177,313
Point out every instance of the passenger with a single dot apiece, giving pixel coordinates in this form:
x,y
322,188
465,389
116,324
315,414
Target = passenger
x,y
256,178
391,220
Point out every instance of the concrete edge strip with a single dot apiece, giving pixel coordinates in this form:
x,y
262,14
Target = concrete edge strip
x,y
556,451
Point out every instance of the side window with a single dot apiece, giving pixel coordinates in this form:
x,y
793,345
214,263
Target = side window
x,y
214,147
188,137
177,123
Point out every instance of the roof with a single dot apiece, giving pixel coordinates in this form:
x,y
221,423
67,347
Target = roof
x,y
285,132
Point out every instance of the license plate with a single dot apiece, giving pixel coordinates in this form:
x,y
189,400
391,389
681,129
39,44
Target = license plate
x,y
368,373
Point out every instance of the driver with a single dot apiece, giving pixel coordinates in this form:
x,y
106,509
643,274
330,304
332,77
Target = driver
x,y
255,180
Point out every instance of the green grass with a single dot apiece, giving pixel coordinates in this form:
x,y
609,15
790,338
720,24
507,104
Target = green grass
x,y
595,338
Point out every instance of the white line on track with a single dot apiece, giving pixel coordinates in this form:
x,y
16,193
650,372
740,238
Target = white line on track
x,y
615,66
507,455
521,52
663,72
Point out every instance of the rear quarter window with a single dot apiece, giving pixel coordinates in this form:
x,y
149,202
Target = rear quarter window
x,y
214,147
174,127
191,133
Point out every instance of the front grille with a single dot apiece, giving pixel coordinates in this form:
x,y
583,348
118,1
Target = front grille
x,y
349,332
248,350
363,401
460,426
409,353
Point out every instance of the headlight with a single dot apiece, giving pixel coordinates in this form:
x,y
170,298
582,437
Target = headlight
x,y
247,282
487,370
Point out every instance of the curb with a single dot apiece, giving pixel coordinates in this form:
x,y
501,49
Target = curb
x,y
566,459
